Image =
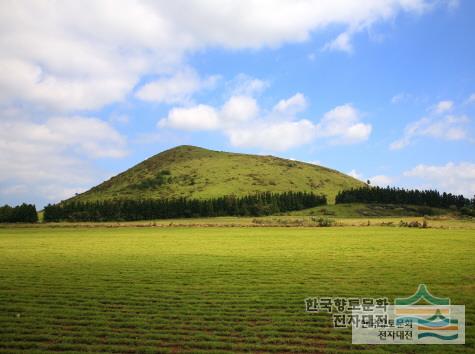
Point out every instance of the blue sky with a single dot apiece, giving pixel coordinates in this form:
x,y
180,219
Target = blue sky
x,y
383,90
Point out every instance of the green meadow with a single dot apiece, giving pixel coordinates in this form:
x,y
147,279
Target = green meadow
x,y
217,289
197,173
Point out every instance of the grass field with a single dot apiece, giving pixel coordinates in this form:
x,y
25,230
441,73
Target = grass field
x,y
215,290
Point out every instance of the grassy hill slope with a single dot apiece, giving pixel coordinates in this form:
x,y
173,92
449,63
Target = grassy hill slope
x,y
193,172
362,210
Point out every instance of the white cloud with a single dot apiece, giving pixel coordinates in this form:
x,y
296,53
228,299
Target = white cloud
x,y
238,118
239,109
178,88
292,105
342,124
280,130
69,56
457,178
89,136
447,128
381,180
276,136
443,107
200,117
48,159
340,43
359,20
270,23
28,82
245,85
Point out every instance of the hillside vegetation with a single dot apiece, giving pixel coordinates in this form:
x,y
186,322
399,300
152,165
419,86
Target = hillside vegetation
x,y
193,172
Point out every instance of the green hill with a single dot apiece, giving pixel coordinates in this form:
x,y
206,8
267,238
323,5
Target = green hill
x,y
193,172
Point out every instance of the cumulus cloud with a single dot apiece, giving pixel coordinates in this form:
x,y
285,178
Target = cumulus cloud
x,y
441,123
278,129
239,109
46,160
200,117
270,23
342,124
114,44
86,135
382,11
447,128
275,136
239,120
457,178
292,105
26,82
177,88
68,56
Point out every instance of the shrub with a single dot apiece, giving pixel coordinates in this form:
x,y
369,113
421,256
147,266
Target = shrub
x,y
412,224
467,211
323,222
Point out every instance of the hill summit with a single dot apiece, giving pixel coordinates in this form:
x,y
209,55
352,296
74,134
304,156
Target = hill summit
x,y
194,172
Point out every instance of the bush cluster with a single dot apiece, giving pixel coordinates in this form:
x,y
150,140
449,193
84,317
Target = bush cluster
x,y
389,195
125,210
19,213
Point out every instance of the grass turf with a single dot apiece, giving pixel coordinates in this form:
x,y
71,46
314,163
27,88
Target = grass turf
x,y
216,289
200,173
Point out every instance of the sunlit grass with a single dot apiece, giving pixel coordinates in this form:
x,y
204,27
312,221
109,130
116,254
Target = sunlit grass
x,y
216,289
204,174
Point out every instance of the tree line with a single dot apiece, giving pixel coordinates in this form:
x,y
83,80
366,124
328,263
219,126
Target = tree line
x,y
391,195
128,210
19,213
